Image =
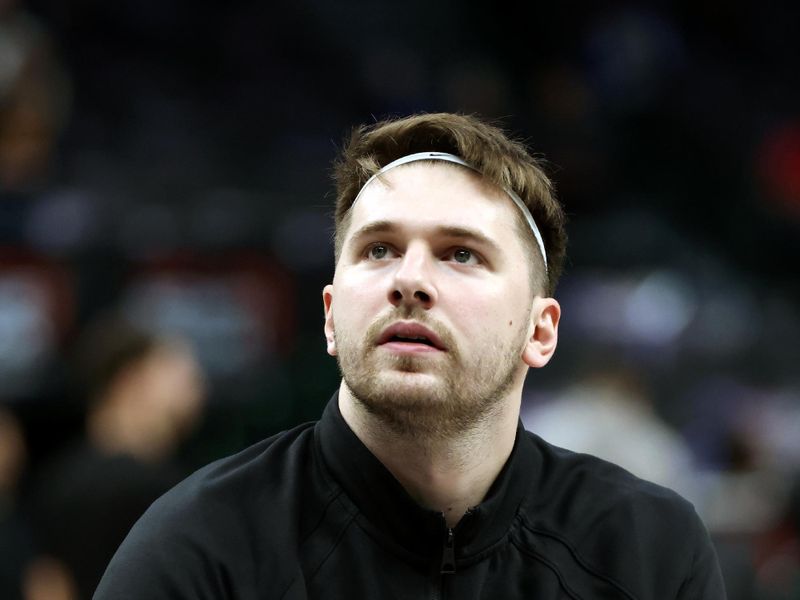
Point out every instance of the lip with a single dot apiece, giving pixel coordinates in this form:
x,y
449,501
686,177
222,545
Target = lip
x,y
410,329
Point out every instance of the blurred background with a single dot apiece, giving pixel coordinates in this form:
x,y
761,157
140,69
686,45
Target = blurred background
x,y
165,233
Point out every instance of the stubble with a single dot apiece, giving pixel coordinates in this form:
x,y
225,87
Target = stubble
x,y
428,397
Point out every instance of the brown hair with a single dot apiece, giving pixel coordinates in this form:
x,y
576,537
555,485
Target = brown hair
x,y
106,347
503,161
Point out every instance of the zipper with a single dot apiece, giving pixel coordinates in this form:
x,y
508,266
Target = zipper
x,y
447,565
448,554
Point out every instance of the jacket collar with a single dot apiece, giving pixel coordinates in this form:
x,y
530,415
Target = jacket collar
x,y
390,512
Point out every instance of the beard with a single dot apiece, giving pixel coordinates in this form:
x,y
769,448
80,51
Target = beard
x,y
429,397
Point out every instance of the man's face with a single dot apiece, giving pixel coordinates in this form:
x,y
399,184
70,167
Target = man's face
x,y
429,312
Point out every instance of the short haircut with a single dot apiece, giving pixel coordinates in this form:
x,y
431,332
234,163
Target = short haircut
x,y
502,161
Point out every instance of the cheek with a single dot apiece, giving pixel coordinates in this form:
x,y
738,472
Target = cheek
x,y
357,300
477,311
481,299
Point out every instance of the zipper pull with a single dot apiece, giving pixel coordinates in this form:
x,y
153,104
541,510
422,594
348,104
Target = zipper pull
x,y
449,554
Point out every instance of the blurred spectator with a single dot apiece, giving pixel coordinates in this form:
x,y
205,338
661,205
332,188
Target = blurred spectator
x,y
747,505
609,415
779,569
15,539
34,97
145,395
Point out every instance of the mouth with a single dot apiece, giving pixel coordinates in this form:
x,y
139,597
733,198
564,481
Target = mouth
x,y
410,336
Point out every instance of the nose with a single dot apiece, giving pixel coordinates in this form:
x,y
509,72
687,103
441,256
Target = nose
x,y
413,282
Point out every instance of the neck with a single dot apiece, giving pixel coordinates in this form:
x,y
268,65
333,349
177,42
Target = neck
x,y
447,475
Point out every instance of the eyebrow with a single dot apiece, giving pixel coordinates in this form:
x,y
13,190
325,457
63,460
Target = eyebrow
x,y
451,231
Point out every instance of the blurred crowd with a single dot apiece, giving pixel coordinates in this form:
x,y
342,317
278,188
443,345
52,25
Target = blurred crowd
x,y
165,234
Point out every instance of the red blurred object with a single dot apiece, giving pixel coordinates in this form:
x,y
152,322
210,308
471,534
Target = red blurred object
x,y
37,301
778,164
52,279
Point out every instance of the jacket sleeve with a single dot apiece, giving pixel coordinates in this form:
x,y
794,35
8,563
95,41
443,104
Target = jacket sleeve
x,y
704,580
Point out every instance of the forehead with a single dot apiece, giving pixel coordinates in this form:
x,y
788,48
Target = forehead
x,y
429,195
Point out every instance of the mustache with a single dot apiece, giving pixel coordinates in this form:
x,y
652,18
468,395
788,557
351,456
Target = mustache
x,y
409,314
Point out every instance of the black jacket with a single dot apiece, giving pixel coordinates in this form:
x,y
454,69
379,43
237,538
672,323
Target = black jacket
x,y
311,513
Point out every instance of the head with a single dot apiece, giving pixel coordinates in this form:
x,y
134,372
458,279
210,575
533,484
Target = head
x,y
503,162
150,386
439,252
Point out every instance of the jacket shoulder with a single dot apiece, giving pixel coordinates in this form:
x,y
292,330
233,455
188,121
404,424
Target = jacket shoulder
x,y
269,470
600,521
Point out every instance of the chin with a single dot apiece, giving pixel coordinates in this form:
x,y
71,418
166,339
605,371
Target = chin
x,y
408,388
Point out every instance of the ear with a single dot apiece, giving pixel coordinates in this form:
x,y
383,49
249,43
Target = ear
x,y
327,301
543,336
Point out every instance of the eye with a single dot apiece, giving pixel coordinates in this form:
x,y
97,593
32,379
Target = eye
x,y
464,256
379,252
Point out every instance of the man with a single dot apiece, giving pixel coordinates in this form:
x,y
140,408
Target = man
x,y
418,481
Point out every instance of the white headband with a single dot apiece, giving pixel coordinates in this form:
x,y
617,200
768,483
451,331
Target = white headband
x,y
452,158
